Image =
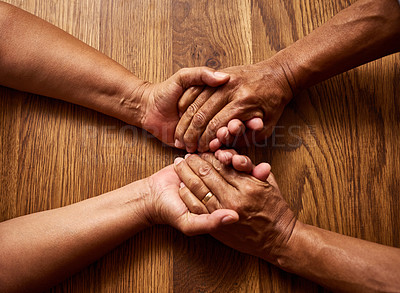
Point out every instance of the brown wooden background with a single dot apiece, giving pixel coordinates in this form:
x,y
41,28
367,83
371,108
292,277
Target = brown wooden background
x,y
336,153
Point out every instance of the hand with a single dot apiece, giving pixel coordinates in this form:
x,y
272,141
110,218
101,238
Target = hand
x,y
237,133
265,220
254,91
166,207
160,101
243,164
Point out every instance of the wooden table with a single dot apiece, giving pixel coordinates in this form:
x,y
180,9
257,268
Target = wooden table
x,y
335,153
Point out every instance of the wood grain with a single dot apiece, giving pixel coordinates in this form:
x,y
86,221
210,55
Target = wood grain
x,y
335,151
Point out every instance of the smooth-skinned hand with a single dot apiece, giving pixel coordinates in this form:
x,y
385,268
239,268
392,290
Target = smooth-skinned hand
x,y
159,102
255,95
265,220
166,207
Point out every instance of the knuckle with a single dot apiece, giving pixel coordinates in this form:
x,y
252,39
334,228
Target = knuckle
x,y
248,190
199,120
192,109
245,93
214,125
194,185
205,170
247,96
234,79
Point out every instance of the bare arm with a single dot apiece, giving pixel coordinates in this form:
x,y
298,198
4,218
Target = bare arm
x,y
341,262
40,58
39,250
267,228
367,30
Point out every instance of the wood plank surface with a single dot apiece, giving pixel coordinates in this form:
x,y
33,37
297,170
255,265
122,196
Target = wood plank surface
x,y
335,152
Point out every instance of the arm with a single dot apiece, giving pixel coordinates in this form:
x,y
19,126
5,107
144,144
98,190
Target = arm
x,y
367,30
38,57
341,262
39,250
267,228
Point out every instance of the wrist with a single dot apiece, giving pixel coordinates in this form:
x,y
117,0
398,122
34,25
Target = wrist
x,y
132,101
295,256
291,69
133,200
275,69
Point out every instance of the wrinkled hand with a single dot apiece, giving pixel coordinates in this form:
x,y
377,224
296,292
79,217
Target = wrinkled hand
x,y
160,101
261,91
166,207
265,220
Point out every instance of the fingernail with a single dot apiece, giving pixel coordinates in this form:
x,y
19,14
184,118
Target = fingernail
x,y
182,185
228,220
178,144
178,160
243,160
220,74
187,156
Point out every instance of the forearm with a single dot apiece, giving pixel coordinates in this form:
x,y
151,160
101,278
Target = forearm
x,y
41,249
365,31
340,262
37,57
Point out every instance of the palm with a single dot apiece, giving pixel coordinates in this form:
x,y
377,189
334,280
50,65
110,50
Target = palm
x,y
162,115
165,190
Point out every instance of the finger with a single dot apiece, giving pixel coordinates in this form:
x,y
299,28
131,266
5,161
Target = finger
x,y
187,77
242,163
227,172
222,118
201,120
225,156
194,205
234,131
210,176
192,224
224,135
188,97
252,137
255,124
236,127
195,184
215,144
262,171
187,117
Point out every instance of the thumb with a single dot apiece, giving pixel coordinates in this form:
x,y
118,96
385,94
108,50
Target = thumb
x,y
262,171
255,124
188,77
193,224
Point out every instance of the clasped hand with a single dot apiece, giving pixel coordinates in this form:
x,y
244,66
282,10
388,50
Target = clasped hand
x,y
200,109
245,213
254,97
